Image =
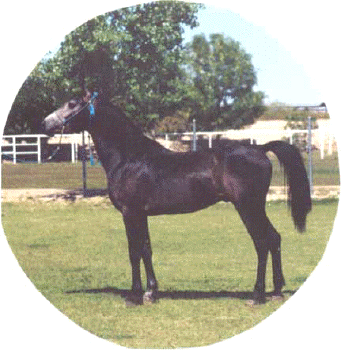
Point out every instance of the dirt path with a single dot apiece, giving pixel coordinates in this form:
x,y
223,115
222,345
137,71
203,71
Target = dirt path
x,y
98,195
51,194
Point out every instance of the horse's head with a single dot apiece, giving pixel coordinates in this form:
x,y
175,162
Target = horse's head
x,y
74,116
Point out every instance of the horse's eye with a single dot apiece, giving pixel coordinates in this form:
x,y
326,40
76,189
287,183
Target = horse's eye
x,y
72,104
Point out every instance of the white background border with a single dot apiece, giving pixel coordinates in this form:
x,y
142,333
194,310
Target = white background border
x,y
310,31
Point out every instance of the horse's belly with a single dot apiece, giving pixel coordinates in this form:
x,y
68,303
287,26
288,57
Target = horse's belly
x,y
180,197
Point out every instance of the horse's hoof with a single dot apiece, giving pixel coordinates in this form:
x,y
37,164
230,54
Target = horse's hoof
x,y
256,300
134,300
149,297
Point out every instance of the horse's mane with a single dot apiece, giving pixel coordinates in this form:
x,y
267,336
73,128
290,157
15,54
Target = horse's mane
x,y
129,133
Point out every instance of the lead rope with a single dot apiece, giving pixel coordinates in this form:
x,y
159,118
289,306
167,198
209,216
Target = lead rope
x,y
58,147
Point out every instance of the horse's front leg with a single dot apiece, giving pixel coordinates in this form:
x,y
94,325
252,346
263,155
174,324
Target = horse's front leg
x,y
152,287
139,247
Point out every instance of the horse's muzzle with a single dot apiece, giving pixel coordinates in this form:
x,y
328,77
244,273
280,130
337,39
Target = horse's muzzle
x,y
51,124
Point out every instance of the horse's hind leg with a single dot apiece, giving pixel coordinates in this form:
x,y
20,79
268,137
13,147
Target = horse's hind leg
x,y
265,238
256,223
275,249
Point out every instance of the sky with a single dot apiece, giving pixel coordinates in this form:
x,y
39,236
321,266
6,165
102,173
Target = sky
x,y
280,77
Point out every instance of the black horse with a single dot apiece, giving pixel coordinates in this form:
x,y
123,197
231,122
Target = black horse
x,y
146,179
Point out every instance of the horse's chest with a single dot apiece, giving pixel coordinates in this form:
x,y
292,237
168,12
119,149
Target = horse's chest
x,y
129,191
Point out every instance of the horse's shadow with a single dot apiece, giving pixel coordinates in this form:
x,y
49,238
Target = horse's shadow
x,y
72,195
185,295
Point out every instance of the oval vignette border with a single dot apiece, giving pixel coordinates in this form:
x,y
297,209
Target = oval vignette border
x,y
309,316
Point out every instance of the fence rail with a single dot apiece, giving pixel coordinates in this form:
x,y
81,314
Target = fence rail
x,y
16,142
323,140
29,148
21,148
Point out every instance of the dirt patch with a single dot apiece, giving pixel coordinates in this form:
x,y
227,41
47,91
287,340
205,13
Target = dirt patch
x,y
101,195
51,194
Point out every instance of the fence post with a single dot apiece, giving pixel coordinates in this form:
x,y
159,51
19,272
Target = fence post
x,y
72,149
14,143
76,152
194,145
310,160
84,160
291,137
210,136
39,149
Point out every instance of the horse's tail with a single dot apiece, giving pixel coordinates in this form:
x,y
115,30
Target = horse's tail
x,y
297,180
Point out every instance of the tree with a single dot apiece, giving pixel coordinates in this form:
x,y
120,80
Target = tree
x,y
223,80
31,102
133,55
152,53
135,58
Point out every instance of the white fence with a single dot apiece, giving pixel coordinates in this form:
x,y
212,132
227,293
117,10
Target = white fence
x,y
21,145
17,147
322,139
28,148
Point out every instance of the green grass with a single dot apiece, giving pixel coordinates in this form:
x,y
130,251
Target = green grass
x,y
76,255
69,176
51,175
326,171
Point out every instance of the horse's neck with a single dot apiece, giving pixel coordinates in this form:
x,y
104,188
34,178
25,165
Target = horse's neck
x,y
109,157
114,146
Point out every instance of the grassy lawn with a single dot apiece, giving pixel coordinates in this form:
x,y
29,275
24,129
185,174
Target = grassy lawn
x,y
325,171
76,255
69,176
51,175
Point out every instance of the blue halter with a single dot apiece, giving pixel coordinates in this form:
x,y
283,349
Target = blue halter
x,y
89,105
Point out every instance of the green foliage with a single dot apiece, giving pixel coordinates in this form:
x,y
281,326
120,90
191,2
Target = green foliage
x,y
131,55
152,56
32,101
224,78
281,111
179,122
135,58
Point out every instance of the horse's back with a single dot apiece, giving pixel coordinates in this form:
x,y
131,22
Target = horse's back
x,y
167,183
